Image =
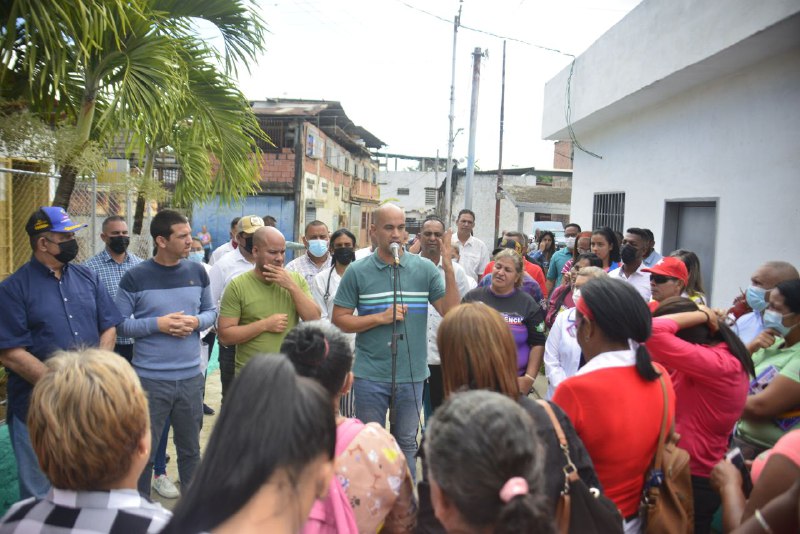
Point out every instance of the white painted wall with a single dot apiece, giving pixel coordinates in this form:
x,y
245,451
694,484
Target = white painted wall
x,y
658,50
734,139
483,204
415,182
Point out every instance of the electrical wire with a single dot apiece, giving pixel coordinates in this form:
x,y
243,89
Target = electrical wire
x,y
568,109
485,32
568,112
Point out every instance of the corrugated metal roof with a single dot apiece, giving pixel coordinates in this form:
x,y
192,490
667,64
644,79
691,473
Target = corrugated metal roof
x,y
328,115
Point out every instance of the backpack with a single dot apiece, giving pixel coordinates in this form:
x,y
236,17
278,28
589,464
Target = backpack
x,y
334,513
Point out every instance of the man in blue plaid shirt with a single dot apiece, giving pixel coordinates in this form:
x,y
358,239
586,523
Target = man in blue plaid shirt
x,y
113,262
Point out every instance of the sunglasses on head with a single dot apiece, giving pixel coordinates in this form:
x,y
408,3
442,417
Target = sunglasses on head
x,y
659,279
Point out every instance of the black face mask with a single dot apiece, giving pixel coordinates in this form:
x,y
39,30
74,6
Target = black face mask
x,y
344,255
248,244
68,250
628,254
119,243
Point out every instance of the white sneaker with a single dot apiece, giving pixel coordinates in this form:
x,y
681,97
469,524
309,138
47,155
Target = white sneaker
x,y
164,487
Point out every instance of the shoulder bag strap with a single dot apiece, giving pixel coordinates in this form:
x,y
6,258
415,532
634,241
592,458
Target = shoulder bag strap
x,y
563,509
663,432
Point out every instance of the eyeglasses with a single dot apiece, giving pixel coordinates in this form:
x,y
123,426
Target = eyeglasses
x,y
429,234
659,279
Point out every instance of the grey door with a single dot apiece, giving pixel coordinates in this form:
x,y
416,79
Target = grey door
x,y
693,226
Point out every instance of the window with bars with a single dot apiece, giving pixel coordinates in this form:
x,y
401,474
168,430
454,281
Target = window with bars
x,y
430,195
609,210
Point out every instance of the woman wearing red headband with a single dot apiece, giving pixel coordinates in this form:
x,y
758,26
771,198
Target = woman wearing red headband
x,y
615,401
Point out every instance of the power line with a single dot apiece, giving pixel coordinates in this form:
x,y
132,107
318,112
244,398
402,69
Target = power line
x,y
485,32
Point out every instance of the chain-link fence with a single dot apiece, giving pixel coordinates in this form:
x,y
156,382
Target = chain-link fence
x,y
24,188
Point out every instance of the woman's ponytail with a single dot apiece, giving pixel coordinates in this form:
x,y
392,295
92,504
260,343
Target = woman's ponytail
x,y
530,513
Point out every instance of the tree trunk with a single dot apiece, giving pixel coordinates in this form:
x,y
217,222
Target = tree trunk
x,y
69,172
147,174
138,215
65,186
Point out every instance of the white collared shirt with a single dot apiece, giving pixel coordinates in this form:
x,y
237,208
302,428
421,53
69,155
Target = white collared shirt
x,y
562,354
219,252
474,256
464,283
639,280
607,360
226,269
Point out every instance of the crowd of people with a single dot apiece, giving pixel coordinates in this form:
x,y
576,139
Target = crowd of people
x,y
442,337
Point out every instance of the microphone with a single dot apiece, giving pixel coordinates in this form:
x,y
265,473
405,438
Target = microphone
x,y
395,252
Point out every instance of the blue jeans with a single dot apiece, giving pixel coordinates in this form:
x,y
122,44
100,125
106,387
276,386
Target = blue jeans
x,y
160,461
180,401
32,482
372,402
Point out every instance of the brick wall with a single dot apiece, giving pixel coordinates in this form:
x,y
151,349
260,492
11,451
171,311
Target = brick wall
x,y
562,155
278,167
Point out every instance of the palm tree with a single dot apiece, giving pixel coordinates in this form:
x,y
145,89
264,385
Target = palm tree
x,y
138,67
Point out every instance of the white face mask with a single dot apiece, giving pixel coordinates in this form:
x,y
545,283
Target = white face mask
x,y
570,243
576,295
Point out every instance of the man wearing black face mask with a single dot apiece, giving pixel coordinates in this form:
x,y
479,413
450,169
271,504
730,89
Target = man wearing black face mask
x,y
45,306
632,254
113,262
229,266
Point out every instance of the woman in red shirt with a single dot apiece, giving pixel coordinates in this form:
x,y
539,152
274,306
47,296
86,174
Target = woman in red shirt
x,y
710,368
615,400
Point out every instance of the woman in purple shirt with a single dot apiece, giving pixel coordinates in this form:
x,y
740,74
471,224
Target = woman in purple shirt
x,y
524,317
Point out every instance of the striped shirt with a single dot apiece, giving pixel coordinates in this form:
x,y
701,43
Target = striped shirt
x,y
86,512
110,273
367,287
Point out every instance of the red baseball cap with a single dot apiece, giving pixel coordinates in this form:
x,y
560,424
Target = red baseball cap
x,y
670,266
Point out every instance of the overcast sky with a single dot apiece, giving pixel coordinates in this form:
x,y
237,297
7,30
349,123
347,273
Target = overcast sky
x,y
388,63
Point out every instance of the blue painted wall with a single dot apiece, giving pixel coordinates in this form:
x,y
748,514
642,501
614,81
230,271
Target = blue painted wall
x,y
217,217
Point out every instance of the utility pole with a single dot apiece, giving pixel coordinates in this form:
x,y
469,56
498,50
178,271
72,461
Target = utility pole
x,y
436,179
473,125
451,138
499,193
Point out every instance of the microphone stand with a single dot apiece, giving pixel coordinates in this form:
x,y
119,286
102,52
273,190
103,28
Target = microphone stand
x,y
393,344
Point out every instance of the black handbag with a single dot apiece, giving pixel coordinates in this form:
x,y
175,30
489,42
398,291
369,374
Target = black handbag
x,y
581,509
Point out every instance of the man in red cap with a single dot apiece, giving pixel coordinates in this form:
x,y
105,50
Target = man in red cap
x,y
668,278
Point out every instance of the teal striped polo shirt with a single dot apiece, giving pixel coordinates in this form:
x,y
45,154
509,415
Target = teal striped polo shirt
x,y
367,287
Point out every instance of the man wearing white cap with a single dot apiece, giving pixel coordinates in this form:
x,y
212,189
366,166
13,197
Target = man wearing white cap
x,y
231,265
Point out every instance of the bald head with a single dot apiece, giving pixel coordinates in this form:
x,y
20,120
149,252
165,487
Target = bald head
x,y
266,235
773,273
388,226
269,246
386,211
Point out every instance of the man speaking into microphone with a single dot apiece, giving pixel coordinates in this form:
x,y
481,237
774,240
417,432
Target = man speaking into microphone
x,y
367,287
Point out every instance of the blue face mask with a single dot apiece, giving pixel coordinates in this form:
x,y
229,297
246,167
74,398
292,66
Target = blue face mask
x,y
756,298
774,320
318,247
196,257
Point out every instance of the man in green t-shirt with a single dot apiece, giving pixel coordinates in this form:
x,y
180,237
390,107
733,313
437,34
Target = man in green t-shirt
x,y
367,287
260,306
